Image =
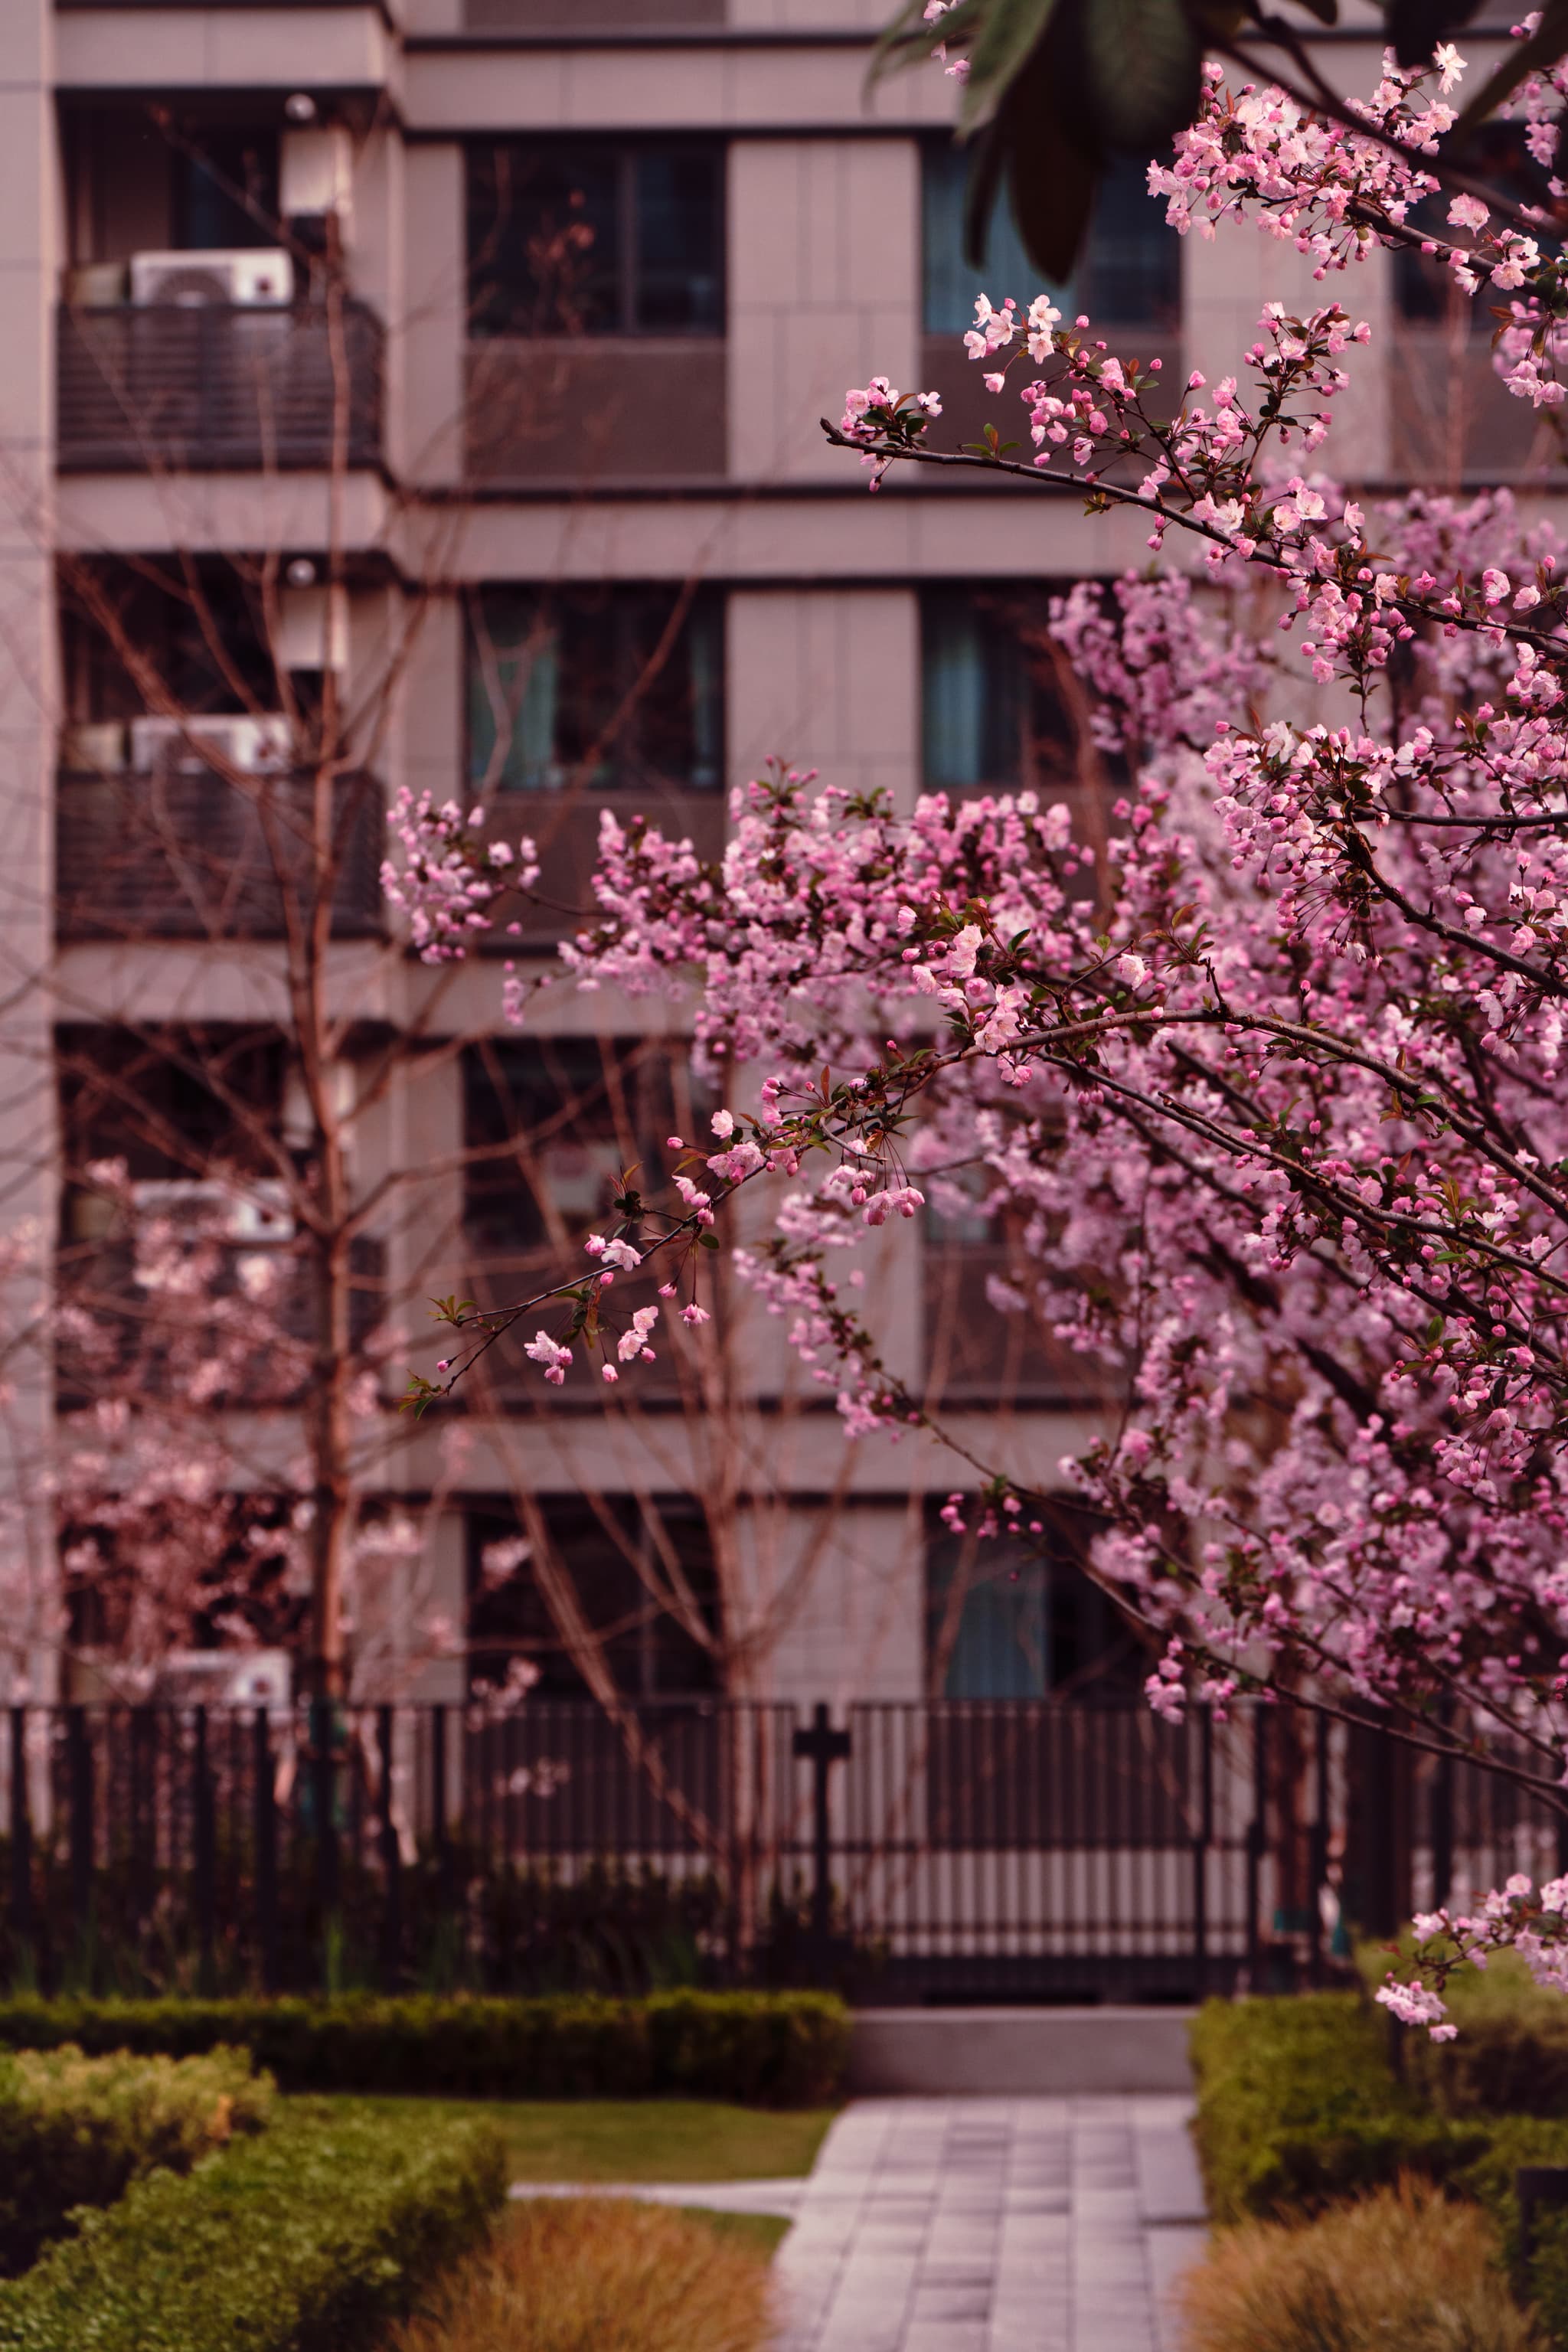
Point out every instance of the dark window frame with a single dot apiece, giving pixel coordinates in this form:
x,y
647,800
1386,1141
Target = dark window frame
x,y
626,768
625,157
1028,694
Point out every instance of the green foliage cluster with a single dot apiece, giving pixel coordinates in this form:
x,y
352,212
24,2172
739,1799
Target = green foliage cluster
x,y
311,2237
76,2131
768,2049
1299,2105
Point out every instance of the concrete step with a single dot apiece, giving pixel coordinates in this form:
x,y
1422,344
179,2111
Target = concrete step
x,y
995,2052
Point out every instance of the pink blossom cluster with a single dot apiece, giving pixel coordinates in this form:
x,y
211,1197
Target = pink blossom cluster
x,y
445,882
1246,1036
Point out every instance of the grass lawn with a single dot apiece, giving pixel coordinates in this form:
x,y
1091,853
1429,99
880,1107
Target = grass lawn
x,y
640,2139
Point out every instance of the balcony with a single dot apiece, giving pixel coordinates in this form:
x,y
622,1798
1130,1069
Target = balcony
x,y
212,386
604,409
187,854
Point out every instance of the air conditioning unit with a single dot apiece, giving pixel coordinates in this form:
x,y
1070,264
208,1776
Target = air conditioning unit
x,y
258,1214
247,1678
249,275
93,747
250,745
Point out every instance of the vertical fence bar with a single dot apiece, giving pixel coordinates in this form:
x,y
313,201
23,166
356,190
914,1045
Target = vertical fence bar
x,y
439,1840
323,1780
1257,1832
1202,1842
264,1831
391,1862
79,1774
1320,1846
21,1849
204,1856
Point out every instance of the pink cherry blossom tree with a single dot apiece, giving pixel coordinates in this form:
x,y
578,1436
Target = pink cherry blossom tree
x,y
1272,1086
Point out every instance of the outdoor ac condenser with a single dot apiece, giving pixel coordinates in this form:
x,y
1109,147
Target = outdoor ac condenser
x,y
250,277
249,745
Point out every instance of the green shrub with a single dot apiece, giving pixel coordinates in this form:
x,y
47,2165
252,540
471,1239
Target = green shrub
x,y
764,2050
75,2130
1511,2056
779,2049
1298,2105
310,2237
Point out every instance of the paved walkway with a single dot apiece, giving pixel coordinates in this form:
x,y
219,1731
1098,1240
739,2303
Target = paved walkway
x,y
982,2225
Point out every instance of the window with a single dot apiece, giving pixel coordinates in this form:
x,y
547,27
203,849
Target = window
x,y
992,707
593,239
226,191
1129,275
553,1122
1003,1622
618,1562
595,689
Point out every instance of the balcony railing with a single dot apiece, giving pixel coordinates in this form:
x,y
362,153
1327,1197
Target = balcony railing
x,y
188,854
211,385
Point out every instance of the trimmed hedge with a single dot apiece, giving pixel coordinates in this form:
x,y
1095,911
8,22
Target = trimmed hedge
x,y
77,2131
309,2239
1298,2105
780,2050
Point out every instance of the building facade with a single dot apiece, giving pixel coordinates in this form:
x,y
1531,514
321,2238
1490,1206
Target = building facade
x,y
456,367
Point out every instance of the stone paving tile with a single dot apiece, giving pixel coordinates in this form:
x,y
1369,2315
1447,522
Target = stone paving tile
x,y
993,2225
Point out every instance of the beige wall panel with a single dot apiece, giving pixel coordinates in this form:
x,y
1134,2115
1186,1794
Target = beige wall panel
x,y
814,305
899,533
835,1594
431,331
828,679
136,513
757,87
221,48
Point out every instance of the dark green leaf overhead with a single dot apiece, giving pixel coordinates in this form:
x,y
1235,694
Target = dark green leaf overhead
x,y
1056,88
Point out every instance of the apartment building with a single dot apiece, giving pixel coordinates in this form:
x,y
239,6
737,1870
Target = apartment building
x,y
493,335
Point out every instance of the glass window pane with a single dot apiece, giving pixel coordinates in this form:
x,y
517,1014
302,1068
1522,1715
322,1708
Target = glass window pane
x,y
587,690
972,691
680,239
225,194
544,240
514,665
1130,273
949,284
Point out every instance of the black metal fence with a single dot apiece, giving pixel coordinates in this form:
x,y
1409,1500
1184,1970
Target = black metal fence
x,y
910,1850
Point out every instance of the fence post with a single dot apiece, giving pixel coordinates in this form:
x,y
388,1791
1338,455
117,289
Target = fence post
x,y
264,1798
391,1862
1320,1848
1201,1844
21,1849
823,1748
78,1755
1257,1833
204,1857
323,1774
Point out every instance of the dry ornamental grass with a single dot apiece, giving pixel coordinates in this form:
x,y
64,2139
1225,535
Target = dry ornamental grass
x,y
600,2274
1401,2271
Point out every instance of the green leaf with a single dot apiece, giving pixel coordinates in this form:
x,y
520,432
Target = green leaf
x,y
1009,33
1142,63
1544,47
1416,27
1052,181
